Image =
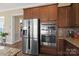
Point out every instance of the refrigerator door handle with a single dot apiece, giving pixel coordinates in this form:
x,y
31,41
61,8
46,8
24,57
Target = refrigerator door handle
x,y
28,34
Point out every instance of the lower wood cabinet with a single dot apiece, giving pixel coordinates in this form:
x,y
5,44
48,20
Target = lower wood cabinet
x,y
48,50
60,47
65,48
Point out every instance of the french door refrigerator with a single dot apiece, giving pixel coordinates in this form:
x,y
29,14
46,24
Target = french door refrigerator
x,y
31,36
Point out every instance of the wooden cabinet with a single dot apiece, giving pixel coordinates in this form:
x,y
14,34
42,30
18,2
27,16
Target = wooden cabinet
x,y
31,13
52,12
66,48
63,16
72,20
66,16
77,14
48,50
44,14
74,15
60,47
27,13
75,8
35,12
48,13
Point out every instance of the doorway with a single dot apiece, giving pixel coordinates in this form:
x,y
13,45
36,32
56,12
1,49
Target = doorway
x,y
17,31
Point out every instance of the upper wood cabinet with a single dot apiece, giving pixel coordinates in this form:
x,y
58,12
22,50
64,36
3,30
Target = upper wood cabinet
x,y
35,12
71,16
74,15
44,13
48,13
68,16
31,13
52,12
27,13
75,8
63,16
77,14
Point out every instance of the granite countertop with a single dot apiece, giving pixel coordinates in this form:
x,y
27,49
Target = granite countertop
x,y
75,42
8,51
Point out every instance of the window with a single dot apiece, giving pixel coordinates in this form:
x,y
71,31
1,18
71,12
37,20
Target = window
x,y
1,23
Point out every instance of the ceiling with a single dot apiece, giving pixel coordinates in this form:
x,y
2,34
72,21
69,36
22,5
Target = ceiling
x,y
12,6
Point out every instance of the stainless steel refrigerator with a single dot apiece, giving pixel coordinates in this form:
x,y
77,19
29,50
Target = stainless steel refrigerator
x,y
31,36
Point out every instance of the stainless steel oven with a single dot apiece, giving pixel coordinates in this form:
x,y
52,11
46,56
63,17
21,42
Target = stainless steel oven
x,y
48,34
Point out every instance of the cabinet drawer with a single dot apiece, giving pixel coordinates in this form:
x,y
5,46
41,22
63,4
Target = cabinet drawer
x,y
48,50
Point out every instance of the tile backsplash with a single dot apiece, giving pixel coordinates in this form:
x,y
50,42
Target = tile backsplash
x,y
63,32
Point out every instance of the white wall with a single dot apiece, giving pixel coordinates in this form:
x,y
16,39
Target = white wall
x,y
16,28
9,23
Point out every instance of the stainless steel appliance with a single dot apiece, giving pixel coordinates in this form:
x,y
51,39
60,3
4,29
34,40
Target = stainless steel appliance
x,y
31,36
48,34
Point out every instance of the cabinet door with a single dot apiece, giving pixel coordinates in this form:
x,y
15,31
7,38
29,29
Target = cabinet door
x,y
72,19
35,12
48,13
44,14
60,47
52,14
48,50
76,13
62,17
27,13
